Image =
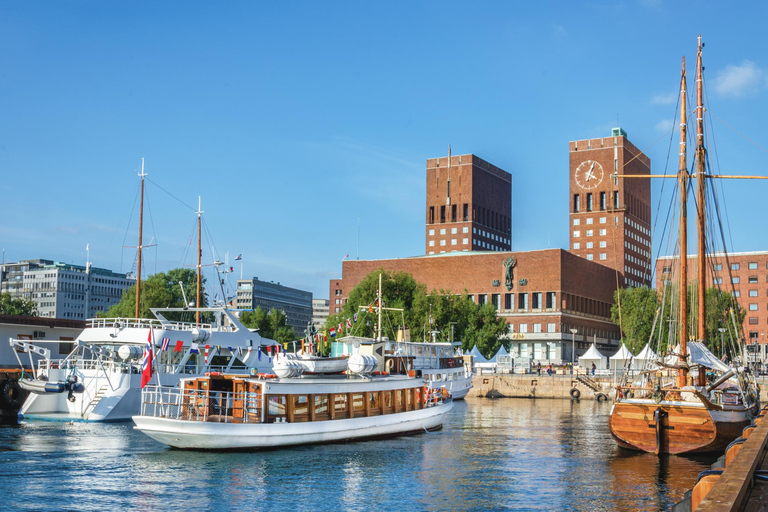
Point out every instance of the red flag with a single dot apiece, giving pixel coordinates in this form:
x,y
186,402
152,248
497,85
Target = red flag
x,y
146,365
179,346
207,348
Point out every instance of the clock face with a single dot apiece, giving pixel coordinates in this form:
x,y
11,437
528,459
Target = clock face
x,y
589,174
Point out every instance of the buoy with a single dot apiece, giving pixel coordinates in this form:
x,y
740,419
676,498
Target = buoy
x,y
575,393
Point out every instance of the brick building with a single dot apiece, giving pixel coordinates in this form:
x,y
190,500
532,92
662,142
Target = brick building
x,y
610,219
550,292
469,205
745,274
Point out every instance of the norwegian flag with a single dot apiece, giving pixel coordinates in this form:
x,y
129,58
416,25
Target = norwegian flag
x,y
166,341
207,349
146,364
341,326
349,323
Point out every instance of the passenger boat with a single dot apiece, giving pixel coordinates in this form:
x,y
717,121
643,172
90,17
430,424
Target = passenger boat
x,y
676,407
100,379
238,412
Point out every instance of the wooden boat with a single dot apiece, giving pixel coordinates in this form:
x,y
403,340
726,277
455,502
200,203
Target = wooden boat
x,y
237,412
675,408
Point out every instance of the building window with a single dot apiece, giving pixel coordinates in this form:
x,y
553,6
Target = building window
x,y
602,232
442,242
576,245
465,229
735,280
453,213
602,201
752,279
523,327
602,243
753,293
735,266
753,307
576,234
551,298
465,241
589,232
717,280
508,301
736,293
442,231
522,301
602,220
454,241
481,298
603,256
753,266
442,214
589,245
589,201
718,266
536,300
589,220
495,300
615,198
536,327
466,212
431,214
576,203
589,257
551,328
454,231
753,321
431,243
576,222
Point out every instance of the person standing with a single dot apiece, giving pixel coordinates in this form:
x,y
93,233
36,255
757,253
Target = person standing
x,y
593,368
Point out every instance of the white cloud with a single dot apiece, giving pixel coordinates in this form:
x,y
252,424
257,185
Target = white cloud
x,y
664,99
664,126
739,80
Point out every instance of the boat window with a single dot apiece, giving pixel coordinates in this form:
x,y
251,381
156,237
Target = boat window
x,y
300,405
439,376
340,403
321,404
277,405
373,398
358,403
387,399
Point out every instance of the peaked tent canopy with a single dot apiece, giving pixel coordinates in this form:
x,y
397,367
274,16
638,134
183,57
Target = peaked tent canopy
x,y
593,355
645,355
478,357
501,352
620,358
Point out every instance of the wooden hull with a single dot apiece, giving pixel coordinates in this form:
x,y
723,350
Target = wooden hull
x,y
674,427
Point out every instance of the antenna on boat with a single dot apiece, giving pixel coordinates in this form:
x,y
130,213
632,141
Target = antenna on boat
x,y
183,295
199,256
141,227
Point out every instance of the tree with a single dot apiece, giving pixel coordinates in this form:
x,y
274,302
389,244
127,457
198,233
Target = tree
x,y
638,308
272,325
159,290
19,306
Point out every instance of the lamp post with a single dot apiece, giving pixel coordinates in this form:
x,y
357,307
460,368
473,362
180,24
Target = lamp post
x,y
722,343
573,348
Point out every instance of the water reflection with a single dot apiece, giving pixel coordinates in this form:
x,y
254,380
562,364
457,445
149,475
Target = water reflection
x,y
491,455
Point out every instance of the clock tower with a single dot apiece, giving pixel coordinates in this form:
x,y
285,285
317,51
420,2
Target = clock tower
x,y
610,217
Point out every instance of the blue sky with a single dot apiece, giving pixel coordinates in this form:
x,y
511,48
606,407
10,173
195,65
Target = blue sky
x,y
291,119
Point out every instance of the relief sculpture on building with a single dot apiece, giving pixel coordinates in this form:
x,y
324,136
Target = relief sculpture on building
x,y
509,279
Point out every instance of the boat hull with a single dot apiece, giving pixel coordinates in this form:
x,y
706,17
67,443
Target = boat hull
x,y
674,427
198,435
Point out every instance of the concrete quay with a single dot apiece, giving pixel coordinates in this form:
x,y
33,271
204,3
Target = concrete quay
x,y
531,385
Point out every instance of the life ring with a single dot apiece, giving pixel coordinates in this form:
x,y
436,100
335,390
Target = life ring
x,y
450,363
575,393
270,376
379,373
12,394
212,374
600,397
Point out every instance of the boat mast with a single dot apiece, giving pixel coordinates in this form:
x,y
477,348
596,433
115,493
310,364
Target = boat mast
x,y
682,177
378,334
141,229
700,198
199,256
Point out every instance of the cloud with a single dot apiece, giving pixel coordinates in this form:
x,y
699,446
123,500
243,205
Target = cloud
x,y
664,125
740,80
664,99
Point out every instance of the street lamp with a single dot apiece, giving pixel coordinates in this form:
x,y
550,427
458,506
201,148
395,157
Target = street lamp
x,y
722,343
573,348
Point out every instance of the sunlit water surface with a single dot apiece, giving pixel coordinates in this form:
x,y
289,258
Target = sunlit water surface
x,y
491,455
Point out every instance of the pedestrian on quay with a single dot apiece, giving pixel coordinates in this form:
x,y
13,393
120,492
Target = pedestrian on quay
x,y
549,369
538,368
593,368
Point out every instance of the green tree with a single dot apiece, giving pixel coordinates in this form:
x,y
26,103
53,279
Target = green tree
x,y
159,290
638,308
272,325
19,306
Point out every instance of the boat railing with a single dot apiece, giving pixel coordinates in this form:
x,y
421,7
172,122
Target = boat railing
x,y
201,405
146,323
87,364
716,396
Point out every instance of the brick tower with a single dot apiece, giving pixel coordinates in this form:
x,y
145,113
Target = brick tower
x,y
469,205
610,219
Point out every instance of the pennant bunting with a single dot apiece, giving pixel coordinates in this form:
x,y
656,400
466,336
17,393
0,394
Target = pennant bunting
x,y
166,341
179,346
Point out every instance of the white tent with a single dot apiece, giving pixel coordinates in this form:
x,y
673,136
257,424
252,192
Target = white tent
x,y
645,355
501,352
620,358
477,356
593,356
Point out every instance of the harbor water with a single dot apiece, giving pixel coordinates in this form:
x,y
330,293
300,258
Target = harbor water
x,y
507,454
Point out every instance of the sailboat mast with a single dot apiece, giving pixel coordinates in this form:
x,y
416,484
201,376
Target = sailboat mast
x,y
199,255
682,176
700,198
141,229
378,333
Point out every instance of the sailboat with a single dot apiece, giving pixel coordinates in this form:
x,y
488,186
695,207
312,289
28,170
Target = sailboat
x,y
690,401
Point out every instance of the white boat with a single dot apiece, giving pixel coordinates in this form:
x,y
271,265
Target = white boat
x,y
231,412
439,363
100,379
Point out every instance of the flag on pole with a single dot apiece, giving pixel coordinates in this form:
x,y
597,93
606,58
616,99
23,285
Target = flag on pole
x,y
194,349
239,257
218,350
207,348
370,308
249,350
146,365
354,318
341,327
179,346
333,332
345,257
349,323
166,341
247,355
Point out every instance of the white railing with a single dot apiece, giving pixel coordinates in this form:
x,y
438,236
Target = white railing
x,y
201,405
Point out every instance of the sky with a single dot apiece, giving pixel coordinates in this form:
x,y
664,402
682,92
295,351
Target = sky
x,y
305,126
